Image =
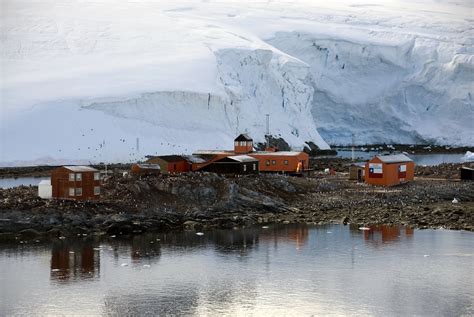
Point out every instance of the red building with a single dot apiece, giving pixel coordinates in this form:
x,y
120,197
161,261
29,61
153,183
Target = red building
x,y
75,182
389,170
146,169
170,164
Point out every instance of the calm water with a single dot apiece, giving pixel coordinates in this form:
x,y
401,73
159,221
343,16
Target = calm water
x,y
282,270
420,159
14,182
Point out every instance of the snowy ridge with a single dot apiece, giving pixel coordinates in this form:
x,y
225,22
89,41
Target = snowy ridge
x,y
86,79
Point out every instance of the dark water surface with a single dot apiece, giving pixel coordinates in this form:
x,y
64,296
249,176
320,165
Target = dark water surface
x,y
280,270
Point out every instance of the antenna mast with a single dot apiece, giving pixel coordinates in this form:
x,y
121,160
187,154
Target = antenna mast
x,y
353,147
267,134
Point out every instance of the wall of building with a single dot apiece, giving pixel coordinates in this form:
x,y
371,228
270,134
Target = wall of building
x,y
276,163
391,175
61,184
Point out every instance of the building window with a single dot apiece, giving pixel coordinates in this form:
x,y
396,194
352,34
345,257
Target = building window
x,y
236,143
71,191
96,190
274,162
71,177
267,162
79,177
79,191
249,143
245,168
285,162
97,176
242,143
254,166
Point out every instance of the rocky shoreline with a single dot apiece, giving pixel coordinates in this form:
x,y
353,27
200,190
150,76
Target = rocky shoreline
x,y
198,201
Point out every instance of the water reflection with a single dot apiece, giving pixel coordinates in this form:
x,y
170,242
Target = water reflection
x,y
293,234
385,234
279,270
74,261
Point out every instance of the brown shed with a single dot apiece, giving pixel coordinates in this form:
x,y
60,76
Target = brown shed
x,y
357,172
75,182
236,164
146,169
467,173
389,170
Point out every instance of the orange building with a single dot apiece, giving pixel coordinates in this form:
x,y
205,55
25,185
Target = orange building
x,y
75,182
243,144
269,161
389,170
284,161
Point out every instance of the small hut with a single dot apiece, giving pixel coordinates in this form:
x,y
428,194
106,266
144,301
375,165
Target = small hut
x,y
45,190
467,173
238,164
146,169
357,172
389,170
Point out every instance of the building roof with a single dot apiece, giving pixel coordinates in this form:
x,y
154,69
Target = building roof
x,y
242,158
149,166
170,158
396,158
194,159
81,168
278,153
243,137
213,152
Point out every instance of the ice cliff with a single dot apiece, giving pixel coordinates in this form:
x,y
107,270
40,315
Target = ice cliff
x,y
101,80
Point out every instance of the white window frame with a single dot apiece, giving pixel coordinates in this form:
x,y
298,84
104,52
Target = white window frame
x,y
72,191
79,177
72,177
254,166
245,168
96,190
97,176
79,191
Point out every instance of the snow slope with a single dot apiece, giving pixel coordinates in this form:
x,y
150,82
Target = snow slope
x,y
85,79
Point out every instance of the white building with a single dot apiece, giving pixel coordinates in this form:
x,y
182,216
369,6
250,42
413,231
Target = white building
x,y
45,190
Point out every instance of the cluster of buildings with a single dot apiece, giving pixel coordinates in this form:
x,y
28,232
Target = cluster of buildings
x,y
84,182
243,159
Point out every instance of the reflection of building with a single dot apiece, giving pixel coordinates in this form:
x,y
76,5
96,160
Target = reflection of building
x,y
385,233
74,262
295,233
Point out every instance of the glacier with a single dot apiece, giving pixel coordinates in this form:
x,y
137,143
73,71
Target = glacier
x,y
101,80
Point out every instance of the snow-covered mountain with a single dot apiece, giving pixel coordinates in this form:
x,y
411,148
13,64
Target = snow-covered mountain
x,y
114,80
